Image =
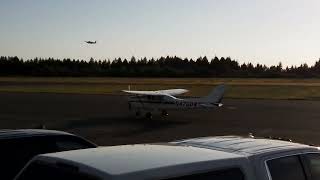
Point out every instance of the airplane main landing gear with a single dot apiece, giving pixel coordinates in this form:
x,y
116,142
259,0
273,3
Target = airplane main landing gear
x,y
149,115
164,113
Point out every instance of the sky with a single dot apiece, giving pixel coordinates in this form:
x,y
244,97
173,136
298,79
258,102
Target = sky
x,y
257,31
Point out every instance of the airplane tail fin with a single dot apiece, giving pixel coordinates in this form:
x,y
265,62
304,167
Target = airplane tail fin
x,y
216,94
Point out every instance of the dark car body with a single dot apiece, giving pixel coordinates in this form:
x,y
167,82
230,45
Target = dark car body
x,y
17,147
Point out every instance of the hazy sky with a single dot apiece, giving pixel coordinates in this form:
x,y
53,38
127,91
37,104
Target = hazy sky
x,y
264,31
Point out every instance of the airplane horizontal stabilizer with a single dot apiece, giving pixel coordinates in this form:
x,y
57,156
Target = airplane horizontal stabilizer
x,y
216,95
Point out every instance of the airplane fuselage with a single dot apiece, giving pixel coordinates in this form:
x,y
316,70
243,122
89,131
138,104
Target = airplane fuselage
x,y
91,42
160,103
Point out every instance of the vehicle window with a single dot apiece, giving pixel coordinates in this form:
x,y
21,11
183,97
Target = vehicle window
x,y
15,153
313,162
228,174
21,150
40,171
66,143
286,168
69,145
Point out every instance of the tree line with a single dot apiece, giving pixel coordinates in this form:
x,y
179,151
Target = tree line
x,y
170,66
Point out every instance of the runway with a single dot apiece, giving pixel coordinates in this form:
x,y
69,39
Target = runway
x,y
106,120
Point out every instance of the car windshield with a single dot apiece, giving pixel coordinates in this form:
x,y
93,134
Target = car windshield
x,y
21,150
40,171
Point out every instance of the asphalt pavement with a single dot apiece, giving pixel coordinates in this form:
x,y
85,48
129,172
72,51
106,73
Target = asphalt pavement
x,y
106,120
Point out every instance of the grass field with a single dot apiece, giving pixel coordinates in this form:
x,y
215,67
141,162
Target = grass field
x,y
236,87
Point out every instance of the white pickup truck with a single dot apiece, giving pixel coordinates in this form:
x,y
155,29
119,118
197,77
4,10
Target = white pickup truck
x,y
215,158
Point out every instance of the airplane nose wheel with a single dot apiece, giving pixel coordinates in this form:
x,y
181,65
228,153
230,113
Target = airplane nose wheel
x,y
148,115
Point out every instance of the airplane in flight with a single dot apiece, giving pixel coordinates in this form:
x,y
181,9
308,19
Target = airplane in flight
x,y
91,42
151,102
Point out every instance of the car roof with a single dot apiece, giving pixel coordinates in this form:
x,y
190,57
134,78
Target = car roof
x,y
144,159
243,145
159,161
22,133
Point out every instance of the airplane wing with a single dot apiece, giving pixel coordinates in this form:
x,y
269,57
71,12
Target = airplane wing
x,y
151,93
171,92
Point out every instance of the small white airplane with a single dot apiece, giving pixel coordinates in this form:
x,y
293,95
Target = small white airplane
x,y
148,102
91,42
